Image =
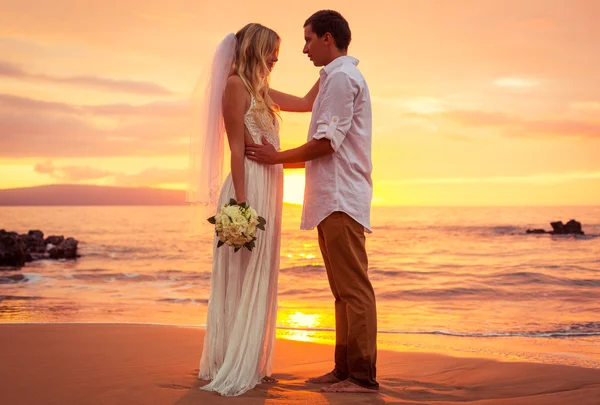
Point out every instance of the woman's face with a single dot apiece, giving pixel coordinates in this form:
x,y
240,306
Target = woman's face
x,y
273,58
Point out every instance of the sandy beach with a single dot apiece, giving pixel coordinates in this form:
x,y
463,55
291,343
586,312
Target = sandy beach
x,y
145,364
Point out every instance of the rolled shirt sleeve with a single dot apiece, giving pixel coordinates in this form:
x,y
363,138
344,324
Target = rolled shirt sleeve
x,y
336,109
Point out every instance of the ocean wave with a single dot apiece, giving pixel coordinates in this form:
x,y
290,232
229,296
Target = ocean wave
x,y
539,278
129,252
573,330
13,278
19,298
184,300
30,278
445,292
33,278
171,275
490,294
480,230
373,271
308,269
113,276
588,329
455,229
312,292
375,274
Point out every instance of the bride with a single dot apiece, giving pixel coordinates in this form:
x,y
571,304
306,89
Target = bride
x,y
242,308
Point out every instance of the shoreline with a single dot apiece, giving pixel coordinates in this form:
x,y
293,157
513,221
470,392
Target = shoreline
x,y
573,351
519,335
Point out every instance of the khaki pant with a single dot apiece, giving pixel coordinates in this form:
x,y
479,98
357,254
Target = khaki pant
x,y
342,242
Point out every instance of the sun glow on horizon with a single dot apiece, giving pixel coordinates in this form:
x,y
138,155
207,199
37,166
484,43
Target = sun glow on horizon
x,y
299,326
293,188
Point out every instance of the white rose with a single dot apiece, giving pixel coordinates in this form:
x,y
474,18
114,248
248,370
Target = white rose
x,y
227,231
239,220
231,211
224,220
235,231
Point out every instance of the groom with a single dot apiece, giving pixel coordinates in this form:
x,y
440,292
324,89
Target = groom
x,y
337,197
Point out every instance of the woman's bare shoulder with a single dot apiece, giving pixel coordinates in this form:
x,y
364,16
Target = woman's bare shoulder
x,y
236,93
234,82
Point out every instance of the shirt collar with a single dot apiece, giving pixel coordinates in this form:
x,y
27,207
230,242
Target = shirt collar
x,y
337,62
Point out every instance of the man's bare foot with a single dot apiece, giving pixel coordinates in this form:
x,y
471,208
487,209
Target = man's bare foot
x,y
348,386
269,380
328,378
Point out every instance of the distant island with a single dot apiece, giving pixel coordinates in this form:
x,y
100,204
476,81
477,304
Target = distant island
x,y
75,194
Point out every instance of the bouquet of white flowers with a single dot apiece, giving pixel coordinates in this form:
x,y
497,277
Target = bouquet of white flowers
x,y
236,225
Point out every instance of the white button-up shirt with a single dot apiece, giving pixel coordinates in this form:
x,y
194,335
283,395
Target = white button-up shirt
x,y
340,181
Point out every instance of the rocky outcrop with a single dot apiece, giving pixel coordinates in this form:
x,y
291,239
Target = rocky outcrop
x,y
16,250
67,249
12,252
558,228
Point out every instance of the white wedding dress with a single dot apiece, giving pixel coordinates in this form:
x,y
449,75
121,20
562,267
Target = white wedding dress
x,y
242,308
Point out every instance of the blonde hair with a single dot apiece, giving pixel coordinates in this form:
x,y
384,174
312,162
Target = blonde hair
x,y
255,43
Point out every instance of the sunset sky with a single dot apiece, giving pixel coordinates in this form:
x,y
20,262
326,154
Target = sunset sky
x,y
474,102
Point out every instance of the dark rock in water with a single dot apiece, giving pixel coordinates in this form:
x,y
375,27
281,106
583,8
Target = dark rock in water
x,y
571,227
575,226
536,231
16,250
36,234
70,248
34,242
12,253
54,240
558,228
56,253
66,250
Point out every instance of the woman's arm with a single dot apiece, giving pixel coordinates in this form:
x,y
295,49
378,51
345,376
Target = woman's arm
x,y
234,107
287,102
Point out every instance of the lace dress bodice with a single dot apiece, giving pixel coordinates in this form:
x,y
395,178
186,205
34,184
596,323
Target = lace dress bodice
x,y
261,124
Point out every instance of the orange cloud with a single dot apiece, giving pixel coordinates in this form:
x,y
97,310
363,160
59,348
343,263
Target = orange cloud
x,y
27,136
36,128
521,126
145,178
151,177
71,173
149,110
126,86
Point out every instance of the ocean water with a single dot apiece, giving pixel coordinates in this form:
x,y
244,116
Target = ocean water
x,y
463,281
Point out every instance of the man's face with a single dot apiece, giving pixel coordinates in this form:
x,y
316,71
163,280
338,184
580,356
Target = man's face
x,y
314,46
